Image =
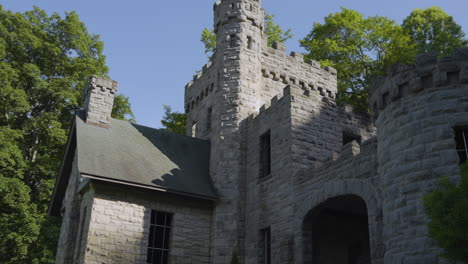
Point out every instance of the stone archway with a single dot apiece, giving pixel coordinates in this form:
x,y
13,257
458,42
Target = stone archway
x,y
336,232
314,197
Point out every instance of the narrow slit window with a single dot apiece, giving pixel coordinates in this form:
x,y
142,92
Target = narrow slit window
x,y
209,114
80,233
194,129
265,154
461,139
232,41
249,42
265,246
158,239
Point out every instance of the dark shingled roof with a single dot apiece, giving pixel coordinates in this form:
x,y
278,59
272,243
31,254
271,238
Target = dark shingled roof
x,y
137,155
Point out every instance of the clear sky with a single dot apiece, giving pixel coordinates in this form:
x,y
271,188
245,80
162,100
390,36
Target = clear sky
x,y
153,47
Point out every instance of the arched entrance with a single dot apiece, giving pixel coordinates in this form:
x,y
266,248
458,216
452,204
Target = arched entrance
x,y
336,232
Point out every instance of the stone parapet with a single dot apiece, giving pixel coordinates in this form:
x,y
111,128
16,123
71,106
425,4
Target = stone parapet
x,y
428,72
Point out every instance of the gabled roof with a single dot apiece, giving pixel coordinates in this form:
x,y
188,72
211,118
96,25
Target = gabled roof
x,y
140,156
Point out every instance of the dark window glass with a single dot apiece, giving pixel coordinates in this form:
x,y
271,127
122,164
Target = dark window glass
x,y
461,138
265,154
158,239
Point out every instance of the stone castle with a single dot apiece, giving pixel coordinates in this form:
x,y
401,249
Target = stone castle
x,y
272,170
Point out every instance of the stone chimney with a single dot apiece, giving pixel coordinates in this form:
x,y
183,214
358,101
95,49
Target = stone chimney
x,y
98,101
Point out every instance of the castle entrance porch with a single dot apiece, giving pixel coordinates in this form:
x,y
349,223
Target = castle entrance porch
x,y
336,232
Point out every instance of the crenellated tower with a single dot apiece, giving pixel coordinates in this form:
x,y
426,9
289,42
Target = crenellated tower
x,y
417,109
218,100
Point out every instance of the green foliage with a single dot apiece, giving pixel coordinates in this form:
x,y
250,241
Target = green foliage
x,y
432,29
447,209
19,226
174,122
359,49
45,63
234,258
122,109
274,32
208,37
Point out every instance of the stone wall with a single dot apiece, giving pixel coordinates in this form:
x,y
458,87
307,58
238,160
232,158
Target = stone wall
x,y
70,217
119,225
306,131
416,108
279,69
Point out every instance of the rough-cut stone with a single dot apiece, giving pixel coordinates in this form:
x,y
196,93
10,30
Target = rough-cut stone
x,y
319,151
98,100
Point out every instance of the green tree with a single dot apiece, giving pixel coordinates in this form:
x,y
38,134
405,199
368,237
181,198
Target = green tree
x,y
447,209
358,48
433,30
45,63
208,37
19,226
274,32
174,122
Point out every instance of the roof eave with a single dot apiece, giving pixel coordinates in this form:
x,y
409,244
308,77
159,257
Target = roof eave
x,y
149,187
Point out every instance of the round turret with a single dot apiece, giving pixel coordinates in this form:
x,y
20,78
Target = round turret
x,y
417,109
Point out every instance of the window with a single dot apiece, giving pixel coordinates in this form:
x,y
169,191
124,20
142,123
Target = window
x,y
232,41
194,129
80,233
265,154
158,241
208,118
265,240
461,138
249,42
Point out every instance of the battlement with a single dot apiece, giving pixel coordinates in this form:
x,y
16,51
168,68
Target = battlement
x,y
201,85
226,11
429,72
352,154
292,90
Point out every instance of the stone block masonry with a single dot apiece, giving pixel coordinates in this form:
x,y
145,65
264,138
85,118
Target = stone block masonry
x,y
416,108
119,225
99,100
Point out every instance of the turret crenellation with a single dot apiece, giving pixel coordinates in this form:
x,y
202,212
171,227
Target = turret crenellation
x,y
428,72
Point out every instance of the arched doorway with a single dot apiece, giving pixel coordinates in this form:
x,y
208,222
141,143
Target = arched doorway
x,y
336,232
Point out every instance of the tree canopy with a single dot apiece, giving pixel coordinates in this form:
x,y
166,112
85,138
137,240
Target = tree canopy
x,y
273,31
433,30
45,63
361,48
174,121
447,209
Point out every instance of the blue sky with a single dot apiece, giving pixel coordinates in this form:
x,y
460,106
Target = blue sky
x,y
153,47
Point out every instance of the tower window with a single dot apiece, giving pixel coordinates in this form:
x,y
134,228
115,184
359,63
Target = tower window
x,y
208,118
265,240
158,241
461,139
265,154
232,41
249,42
194,129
